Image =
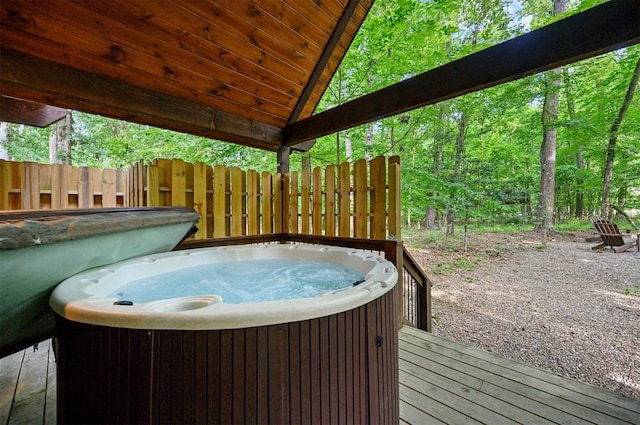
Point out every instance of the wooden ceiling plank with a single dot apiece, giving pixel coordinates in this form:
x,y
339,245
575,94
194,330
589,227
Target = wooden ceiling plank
x,y
39,80
154,62
21,111
181,33
229,23
255,17
292,19
321,65
601,29
321,15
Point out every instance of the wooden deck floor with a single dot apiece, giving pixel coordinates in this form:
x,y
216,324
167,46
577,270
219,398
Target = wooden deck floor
x,y
445,382
441,382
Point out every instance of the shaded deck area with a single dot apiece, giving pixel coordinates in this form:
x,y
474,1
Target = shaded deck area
x,y
440,382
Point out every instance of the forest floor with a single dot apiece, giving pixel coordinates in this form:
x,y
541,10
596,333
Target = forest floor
x,y
563,308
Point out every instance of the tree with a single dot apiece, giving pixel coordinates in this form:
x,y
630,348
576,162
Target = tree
x,y
613,140
549,139
60,140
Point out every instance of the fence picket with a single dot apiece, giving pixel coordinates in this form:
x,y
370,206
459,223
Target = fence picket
x,y
330,201
344,200
360,199
200,198
316,213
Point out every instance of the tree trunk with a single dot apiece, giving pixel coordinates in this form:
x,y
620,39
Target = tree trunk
x,y
60,141
368,143
438,150
348,149
549,141
579,211
613,140
457,171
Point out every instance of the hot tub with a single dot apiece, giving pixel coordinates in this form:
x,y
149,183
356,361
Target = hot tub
x,y
207,350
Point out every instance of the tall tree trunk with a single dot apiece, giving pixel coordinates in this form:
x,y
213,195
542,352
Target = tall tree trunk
x,y
60,141
368,143
4,139
438,150
348,149
549,141
457,170
578,211
613,140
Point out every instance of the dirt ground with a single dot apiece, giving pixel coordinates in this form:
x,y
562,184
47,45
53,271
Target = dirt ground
x,y
563,308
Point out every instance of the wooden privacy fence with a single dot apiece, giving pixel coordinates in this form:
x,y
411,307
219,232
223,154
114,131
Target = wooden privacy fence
x,y
27,185
360,200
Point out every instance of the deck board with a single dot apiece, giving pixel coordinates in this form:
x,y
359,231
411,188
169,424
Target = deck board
x,y
27,387
438,367
441,382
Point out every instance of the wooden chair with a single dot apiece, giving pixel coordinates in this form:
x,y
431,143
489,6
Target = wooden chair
x,y
611,236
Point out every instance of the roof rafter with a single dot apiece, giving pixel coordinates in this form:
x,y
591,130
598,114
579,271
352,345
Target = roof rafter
x,y
598,30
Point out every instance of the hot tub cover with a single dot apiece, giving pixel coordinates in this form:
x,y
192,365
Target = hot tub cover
x,y
22,229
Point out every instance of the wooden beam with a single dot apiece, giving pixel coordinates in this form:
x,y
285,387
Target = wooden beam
x,y
327,54
27,77
21,111
601,29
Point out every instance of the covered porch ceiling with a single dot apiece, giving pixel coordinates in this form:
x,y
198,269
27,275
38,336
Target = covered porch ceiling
x,y
245,71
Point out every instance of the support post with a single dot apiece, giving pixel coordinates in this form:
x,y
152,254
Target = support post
x,y
283,159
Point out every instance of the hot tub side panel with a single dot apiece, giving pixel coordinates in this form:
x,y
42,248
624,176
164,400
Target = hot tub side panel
x,y
337,369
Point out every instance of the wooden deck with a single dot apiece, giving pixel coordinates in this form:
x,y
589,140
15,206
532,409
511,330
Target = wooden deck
x,y
441,382
28,387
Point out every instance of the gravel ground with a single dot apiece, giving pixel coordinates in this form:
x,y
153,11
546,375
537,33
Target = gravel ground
x,y
566,308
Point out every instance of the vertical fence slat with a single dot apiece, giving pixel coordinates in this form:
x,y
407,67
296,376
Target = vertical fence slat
x,y
277,203
178,182
31,187
220,188
344,200
73,177
316,213
153,186
4,184
267,222
253,205
285,202
330,201
304,200
378,199
360,199
238,206
293,203
59,187
109,188
200,197
394,198
85,192
44,185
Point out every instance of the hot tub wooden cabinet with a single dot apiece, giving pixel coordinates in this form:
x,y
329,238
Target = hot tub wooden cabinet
x,y
341,368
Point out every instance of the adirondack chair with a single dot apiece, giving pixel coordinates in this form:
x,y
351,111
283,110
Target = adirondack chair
x,y
611,236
